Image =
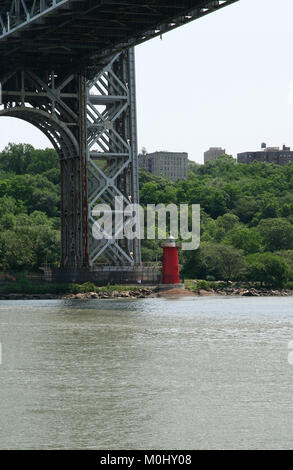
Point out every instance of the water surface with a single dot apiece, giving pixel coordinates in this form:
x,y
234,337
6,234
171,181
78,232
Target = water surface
x,y
200,373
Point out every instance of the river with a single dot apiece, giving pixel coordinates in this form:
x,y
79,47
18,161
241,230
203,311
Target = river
x,y
198,373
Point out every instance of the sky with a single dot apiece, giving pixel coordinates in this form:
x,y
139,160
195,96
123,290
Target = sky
x,y
225,80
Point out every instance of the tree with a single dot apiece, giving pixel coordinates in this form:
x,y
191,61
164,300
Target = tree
x,y
8,205
212,200
16,251
15,158
277,234
230,261
46,244
271,210
228,221
28,247
268,268
247,239
148,193
288,257
33,192
151,251
23,158
246,207
222,262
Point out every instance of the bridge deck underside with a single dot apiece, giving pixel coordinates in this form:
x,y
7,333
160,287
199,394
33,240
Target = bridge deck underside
x,y
73,33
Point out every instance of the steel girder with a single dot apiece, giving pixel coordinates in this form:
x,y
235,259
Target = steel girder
x,y
55,73
87,122
73,34
112,155
17,14
53,104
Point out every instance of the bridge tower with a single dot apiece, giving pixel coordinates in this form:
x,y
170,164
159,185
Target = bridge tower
x,y
90,119
67,67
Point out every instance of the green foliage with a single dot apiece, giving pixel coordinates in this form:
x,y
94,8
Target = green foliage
x,y
246,215
25,286
92,287
247,239
277,234
16,251
29,207
268,269
27,246
21,159
8,205
287,255
222,262
33,192
245,210
151,250
84,288
202,285
207,285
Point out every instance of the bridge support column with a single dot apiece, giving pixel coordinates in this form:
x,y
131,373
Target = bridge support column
x,y
91,122
112,155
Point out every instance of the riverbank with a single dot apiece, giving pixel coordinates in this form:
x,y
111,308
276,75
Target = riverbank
x,y
149,292
243,292
137,293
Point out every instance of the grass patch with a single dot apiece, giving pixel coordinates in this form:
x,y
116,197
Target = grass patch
x,y
91,287
196,286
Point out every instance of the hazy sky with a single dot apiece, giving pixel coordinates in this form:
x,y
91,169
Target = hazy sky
x,y
224,80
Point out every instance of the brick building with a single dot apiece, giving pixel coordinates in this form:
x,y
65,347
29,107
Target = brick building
x,y
172,165
213,153
267,155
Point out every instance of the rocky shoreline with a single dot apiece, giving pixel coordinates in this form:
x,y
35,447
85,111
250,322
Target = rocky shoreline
x,y
127,294
244,292
152,292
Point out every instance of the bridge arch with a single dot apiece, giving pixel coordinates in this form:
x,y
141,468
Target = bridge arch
x,y
66,145
92,126
60,136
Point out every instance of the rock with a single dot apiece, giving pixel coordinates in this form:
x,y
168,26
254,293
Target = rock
x,y
79,296
205,292
276,292
250,293
114,293
125,294
94,295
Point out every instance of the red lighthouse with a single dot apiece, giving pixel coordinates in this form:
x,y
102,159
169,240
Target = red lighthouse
x,y
170,262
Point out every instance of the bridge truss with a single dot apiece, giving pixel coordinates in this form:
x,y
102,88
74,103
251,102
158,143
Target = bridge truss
x,y
68,68
82,33
92,125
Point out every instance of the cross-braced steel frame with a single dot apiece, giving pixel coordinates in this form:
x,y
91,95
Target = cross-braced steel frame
x,y
74,34
59,72
92,125
112,156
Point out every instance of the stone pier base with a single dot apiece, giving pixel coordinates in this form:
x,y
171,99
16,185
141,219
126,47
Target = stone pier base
x,y
111,275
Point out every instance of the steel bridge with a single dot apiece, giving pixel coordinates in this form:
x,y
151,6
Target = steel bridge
x,y
68,68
